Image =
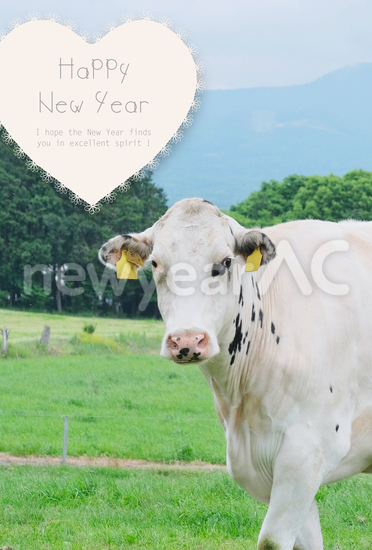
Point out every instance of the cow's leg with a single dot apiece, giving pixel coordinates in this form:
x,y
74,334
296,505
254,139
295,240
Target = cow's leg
x,y
310,536
297,475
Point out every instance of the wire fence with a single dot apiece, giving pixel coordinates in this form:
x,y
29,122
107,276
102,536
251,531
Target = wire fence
x,y
126,417
87,417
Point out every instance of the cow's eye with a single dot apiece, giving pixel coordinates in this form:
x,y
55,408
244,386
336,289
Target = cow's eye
x,y
154,264
227,262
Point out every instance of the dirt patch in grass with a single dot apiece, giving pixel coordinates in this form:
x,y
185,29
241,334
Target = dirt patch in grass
x,y
106,462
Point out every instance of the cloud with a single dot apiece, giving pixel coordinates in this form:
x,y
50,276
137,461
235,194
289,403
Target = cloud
x,y
242,44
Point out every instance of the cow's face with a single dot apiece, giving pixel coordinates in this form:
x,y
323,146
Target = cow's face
x,y
197,255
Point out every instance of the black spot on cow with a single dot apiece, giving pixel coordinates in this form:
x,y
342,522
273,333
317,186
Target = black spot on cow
x,y
179,356
277,339
260,316
208,202
252,281
337,427
195,356
249,343
253,316
331,389
273,328
241,299
236,344
258,292
245,337
184,351
231,231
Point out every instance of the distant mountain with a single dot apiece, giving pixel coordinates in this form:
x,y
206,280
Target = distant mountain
x,y
240,138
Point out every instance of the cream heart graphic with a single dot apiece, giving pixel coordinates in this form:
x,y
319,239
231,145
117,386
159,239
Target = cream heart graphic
x,y
92,115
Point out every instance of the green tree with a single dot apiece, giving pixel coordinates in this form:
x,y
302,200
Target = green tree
x,y
330,198
40,226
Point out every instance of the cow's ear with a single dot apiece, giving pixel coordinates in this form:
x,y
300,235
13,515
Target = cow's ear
x,y
248,241
137,243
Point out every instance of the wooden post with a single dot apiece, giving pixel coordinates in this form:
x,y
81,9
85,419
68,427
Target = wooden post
x,y
58,296
45,336
65,434
4,346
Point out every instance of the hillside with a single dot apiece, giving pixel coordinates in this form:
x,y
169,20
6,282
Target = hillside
x,y
243,137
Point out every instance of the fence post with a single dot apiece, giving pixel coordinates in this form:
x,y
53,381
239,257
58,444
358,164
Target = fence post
x,y
45,336
4,346
65,434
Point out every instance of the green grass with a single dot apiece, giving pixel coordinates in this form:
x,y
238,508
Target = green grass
x,y
61,508
123,403
86,344
129,406
26,326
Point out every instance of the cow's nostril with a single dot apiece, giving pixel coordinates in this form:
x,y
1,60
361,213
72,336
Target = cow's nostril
x,y
174,343
201,344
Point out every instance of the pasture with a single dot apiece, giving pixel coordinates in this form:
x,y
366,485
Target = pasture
x,y
62,508
27,327
126,406
124,401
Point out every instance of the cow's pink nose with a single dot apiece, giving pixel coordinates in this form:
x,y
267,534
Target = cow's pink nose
x,y
188,347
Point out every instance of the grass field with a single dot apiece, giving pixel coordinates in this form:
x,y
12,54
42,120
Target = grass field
x,y
132,406
106,509
26,326
118,336
122,402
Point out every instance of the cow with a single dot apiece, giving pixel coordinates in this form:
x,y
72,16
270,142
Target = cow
x,y
288,358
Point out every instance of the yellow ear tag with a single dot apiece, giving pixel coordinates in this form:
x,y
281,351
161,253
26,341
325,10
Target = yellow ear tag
x,y
127,265
254,260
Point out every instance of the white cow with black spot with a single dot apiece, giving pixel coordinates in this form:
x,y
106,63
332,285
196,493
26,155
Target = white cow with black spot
x,y
286,350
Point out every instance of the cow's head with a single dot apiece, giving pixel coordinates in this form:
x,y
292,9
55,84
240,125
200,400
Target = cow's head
x,y
197,255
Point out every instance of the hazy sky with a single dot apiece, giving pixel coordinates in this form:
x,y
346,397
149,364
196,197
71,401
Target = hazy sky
x,y
244,43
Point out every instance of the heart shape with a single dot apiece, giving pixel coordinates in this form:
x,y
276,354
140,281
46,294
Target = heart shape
x,y
92,115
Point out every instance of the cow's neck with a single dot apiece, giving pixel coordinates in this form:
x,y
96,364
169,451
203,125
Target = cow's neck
x,y
248,341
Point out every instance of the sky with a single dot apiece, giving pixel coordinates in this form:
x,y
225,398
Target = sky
x,y
242,43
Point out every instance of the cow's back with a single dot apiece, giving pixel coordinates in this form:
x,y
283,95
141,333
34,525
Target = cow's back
x,y
325,339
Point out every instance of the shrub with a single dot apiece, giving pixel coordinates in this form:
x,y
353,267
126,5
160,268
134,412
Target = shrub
x,y
89,327
185,453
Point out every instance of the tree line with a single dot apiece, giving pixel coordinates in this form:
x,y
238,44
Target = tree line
x,y
331,198
40,227
42,234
